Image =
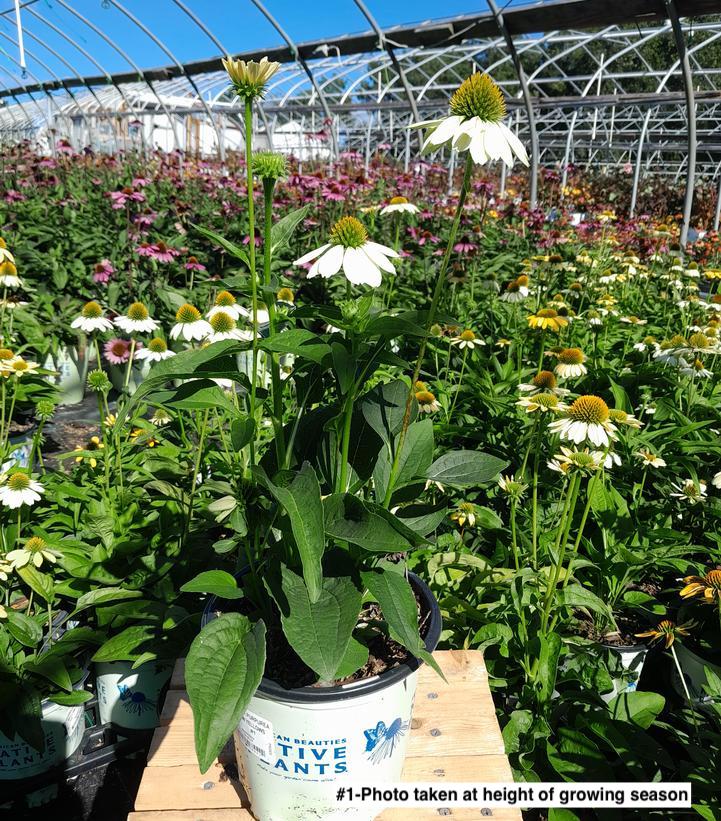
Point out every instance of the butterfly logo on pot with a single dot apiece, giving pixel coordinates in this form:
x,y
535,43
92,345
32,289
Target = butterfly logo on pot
x,y
382,740
134,701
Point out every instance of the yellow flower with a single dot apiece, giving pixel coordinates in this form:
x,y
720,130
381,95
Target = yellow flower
x,y
547,319
465,512
143,437
708,587
93,444
250,77
667,631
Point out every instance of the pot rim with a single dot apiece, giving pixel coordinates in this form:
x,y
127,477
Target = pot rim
x,y
637,647
363,687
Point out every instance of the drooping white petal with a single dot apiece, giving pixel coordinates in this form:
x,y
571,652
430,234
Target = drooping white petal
x,y
477,149
359,268
383,249
379,258
312,254
426,124
331,261
465,132
313,272
496,145
445,131
516,145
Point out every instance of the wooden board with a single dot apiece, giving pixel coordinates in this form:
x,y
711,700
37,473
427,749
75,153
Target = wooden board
x,y
454,737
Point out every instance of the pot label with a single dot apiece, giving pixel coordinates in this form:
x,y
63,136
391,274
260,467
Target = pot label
x,y
257,734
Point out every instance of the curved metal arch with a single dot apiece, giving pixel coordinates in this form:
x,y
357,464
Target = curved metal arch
x,y
55,54
90,58
304,65
129,61
133,19
43,114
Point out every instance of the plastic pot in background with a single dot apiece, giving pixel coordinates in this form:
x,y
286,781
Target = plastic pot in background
x,y
70,366
138,374
129,698
694,674
21,446
632,658
295,746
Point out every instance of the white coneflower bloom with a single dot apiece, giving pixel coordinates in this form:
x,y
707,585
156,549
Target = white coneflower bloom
x,y
476,124
699,342
18,367
543,382
154,351
9,275
161,418
467,340
511,487
587,419
689,491
609,458
226,302
515,291
465,513
716,481
619,417
91,319
649,459
190,324
136,320
695,369
19,489
543,402
4,253
568,461
400,205
249,77
351,251
223,326
570,363
35,552
427,402
633,320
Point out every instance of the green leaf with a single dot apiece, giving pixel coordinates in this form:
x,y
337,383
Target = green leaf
x,y
282,231
193,394
639,707
398,604
53,669
24,629
72,698
302,502
125,646
320,631
343,366
577,596
217,582
518,725
384,407
422,518
355,657
242,431
548,665
417,453
40,583
298,341
350,519
465,468
223,669
230,247
103,595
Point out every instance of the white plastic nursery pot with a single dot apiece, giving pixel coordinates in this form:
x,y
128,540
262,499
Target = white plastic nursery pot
x,y
632,657
21,446
71,372
63,728
131,698
138,374
294,747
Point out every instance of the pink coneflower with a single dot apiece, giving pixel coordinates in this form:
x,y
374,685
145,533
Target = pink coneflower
x,y
13,196
140,182
103,270
158,251
465,246
258,240
193,265
119,199
48,162
117,350
144,220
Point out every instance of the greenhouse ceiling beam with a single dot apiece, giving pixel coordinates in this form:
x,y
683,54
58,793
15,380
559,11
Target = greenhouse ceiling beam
x,y
388,48
691,116
300,59
531,19
137,77
530,114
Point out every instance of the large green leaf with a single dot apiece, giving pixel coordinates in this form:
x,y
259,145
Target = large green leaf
x,y
103,595
218,582
233,249
320,631
223,669
548,665
282,231
465,468
417,453
40,583
384,408
398,604
24,629
302,502
638,707
195,394
53,668
299,342
350,519
126,645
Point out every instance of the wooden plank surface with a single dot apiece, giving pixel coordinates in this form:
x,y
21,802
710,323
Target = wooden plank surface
x,y
454,737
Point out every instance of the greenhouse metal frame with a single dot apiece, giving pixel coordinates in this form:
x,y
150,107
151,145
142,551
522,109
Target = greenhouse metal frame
x,y
579,86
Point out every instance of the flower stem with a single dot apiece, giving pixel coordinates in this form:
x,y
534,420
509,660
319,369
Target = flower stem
x,y
438,291
251,257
